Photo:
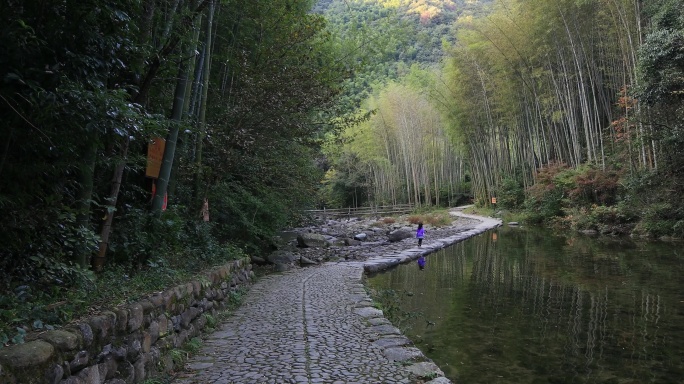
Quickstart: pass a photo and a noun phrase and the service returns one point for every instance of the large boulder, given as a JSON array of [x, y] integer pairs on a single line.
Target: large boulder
[[283, 260], [311, 240], [303, 261], [351, 242], [282, 257], [258, 260], [399, 235], [337, 242]]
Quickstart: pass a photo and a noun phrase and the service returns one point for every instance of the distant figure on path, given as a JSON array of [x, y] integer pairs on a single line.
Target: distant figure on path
[[420, 233], [421, 262]]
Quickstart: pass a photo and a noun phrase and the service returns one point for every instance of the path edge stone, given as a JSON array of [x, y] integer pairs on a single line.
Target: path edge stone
[[385, 262], [398, 347]]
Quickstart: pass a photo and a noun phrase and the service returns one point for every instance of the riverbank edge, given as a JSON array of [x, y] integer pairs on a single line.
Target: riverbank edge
[[424, 366], [385, 262]]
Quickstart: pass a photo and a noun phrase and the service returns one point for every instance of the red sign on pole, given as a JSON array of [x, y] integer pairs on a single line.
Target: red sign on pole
[[166, 196], [155, 155]]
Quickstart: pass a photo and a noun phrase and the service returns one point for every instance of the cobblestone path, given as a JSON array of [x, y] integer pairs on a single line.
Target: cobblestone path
[[317, 325], [298, 327]]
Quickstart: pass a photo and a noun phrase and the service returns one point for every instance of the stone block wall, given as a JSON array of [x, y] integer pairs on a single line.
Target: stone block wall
[[128, 344]]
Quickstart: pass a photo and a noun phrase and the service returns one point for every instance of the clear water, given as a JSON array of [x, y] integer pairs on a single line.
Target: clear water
[[521, 305]]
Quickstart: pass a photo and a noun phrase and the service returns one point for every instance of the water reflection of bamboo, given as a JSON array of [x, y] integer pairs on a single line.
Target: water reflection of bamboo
[[574, 321], [650, 315], [592, 326], [589, 330]]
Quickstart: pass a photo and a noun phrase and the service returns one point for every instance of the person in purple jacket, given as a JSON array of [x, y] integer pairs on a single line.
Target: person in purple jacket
[[420, 233]]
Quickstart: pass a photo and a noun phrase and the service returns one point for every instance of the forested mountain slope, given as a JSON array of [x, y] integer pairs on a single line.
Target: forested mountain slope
[[568, 110], [390, 36], [428, 24], [395, 42]]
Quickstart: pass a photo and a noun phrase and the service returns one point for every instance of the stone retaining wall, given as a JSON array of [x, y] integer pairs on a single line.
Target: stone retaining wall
[[127, 344]]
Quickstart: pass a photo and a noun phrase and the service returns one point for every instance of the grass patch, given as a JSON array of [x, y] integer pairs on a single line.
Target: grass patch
[[235, 300], [388, 220], [415, 219], [480, 211], [193, 346], [437, 218], [178, 357], [516, 216], [430, 376], [212, 321]]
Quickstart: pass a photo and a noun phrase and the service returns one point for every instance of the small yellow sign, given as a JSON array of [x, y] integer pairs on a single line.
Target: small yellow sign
[[493, 200], [155, 155]]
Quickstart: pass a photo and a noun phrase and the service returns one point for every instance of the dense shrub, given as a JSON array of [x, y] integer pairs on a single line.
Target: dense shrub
[[433, 218], [614, 220], [593, 186], [438, 219], [147, 254], [560, 191], [652, 196], [415, 219], [511, 194], [388, 220], [661, 219], [544, 197], [247, 216]]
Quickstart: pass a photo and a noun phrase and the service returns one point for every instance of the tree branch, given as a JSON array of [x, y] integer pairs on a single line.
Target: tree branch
[[166, 50]]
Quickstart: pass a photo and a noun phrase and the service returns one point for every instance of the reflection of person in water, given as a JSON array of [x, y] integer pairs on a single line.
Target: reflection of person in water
[[421, 262]]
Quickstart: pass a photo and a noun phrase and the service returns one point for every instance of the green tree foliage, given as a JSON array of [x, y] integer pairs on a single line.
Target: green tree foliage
[[346, 184], [400, 155], [592, 84], [661, 70], [661, 90], [67, 98], [87, 84], [372, 37], [392, 41], [660, 64], [387, 37]]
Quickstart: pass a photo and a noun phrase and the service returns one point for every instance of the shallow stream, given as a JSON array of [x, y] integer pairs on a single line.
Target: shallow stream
[[518, 305]]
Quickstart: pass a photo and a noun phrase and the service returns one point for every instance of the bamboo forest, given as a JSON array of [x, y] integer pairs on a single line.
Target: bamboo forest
[[147, 140]]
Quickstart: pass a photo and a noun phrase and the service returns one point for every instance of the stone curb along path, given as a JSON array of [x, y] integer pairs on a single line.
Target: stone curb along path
[[384, 262], [318, 325]]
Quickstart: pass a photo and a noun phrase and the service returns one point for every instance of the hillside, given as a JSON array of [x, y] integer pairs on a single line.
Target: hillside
[[389, 36]]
